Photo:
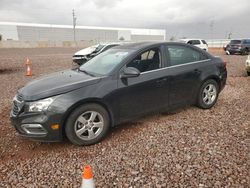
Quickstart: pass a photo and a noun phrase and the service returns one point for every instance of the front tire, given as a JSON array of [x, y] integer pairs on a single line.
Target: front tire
[[244, 52], [248, 73], [87, 125], [208, 94]]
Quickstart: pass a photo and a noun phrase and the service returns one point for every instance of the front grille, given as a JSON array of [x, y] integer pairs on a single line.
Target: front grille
[[18, 103], [19, 97], [15, 108]]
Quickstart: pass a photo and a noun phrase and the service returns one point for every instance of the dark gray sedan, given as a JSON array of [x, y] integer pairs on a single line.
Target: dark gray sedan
[[118, 85]]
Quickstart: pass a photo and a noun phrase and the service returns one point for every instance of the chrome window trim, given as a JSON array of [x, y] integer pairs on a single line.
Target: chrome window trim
[[194, 62]]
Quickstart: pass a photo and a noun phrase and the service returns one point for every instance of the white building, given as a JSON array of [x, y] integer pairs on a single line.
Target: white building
[[47, 32]]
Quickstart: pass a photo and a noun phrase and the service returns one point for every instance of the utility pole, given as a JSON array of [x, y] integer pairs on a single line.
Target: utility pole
[[165, 36], [211, 25], [74, 24]]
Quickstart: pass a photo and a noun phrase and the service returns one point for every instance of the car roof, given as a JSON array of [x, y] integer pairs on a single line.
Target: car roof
[[107, 44], [191, 39], [142, 45], [135, 45]]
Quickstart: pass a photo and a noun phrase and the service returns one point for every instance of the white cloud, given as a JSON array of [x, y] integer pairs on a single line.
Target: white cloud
[[130, 13]]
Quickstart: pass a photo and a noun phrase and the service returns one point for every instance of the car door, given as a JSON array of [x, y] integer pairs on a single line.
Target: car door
[[149, 91], [184, 73]]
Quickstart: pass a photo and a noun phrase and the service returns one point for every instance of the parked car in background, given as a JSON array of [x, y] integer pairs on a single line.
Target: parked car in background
[[238, 47], [202, 44], [118, 85], [86, 54], [248, 65]]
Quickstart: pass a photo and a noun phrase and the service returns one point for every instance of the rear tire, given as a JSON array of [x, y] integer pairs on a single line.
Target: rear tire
[[208, 94], [248, 73], [87, 124]]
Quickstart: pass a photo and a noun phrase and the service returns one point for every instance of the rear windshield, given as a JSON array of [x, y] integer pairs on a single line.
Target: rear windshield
[[235, 41]]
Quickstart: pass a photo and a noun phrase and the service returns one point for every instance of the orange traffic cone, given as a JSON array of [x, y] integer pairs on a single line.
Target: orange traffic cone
[[87, 178], [28, 67], [27, 62]]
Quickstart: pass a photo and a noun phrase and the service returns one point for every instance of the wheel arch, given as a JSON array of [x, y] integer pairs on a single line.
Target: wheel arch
[[212, 77], [203, 80], [88, 101]]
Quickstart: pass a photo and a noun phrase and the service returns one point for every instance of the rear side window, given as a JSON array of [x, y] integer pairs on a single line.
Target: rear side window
[[179, 55], [204, 42], [194, 42], [247, 41]]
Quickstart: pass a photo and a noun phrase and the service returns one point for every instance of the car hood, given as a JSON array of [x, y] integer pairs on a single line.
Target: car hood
[[55, 84], [86, 51]]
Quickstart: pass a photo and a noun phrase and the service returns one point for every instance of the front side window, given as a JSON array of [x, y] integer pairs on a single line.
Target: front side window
[[179, 55], [98, 48], [147, 61], [109, 46], [204, 42], [105, 62]]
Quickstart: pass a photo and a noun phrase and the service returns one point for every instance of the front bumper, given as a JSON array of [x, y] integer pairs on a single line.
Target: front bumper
[[223, 79], [38, 126], [234, 50]]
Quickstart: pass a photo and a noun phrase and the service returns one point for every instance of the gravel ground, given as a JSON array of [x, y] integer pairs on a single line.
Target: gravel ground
[[186, 148]]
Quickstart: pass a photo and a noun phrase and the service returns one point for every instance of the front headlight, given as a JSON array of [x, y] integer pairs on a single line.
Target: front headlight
[[41, 105]]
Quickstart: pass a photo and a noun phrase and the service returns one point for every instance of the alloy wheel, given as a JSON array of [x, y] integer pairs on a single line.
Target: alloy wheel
[[89, 125], [209, 94]]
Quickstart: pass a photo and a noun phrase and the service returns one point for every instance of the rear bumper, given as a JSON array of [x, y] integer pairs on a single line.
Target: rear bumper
[[223, 80]]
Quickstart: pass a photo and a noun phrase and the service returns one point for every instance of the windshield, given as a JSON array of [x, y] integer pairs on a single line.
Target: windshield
[[235, 41], [105, 62], [98, 48]]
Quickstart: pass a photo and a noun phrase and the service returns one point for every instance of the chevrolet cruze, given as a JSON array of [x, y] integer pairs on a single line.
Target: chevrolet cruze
[[119, 85]]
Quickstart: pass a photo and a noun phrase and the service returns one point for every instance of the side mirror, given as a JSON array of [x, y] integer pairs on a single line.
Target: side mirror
[[130, 72]]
